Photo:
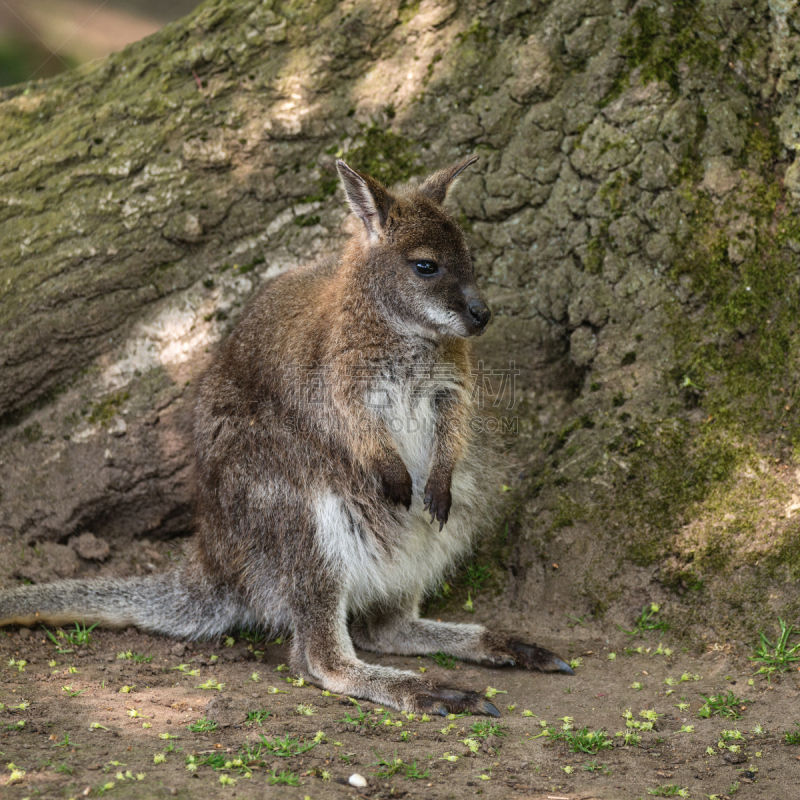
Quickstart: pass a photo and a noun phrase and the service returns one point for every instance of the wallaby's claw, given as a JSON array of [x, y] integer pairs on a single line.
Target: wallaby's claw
[[443, 700], [562, 666], [531, 656], [490, 709], [437, 503]]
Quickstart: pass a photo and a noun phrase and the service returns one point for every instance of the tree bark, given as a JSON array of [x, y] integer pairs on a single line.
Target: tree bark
[[633, 223]]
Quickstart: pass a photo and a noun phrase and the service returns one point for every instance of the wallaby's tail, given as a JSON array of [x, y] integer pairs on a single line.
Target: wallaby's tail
[[172, 603]]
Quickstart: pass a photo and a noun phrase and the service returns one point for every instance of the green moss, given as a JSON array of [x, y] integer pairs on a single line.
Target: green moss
[[32, 433], [327, 186], [306, 220], [385, 155], [672, 468], [659, 42], [566, 512], [408, 10], [477, 31], [596, 254], [107, 408]]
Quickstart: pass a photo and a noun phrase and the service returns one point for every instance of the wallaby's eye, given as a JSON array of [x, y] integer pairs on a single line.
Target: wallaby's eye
[[425, 268]]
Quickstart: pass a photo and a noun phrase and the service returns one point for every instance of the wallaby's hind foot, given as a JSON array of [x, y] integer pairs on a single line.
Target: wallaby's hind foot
[[443, 700], [531, 656], [402, 632], [322, 651]]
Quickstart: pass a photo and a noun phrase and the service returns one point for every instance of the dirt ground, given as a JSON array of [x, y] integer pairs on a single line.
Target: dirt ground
[[113, 717]]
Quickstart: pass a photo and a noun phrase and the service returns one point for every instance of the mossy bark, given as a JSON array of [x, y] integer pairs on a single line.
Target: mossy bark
[[632, 229]]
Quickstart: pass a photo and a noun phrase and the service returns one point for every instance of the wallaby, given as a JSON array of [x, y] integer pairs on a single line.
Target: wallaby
[[338, 474]]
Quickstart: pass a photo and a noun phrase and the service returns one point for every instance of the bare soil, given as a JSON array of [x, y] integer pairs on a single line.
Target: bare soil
[[145, 709]]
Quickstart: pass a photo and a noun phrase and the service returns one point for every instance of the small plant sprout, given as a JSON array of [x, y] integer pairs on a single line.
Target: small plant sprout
[[71, 692], [669, 790], [320, 736], [281, 668], [468, 604], [443, 660], [568, 769], [413, 773], [167, 736], [491, 692], [229, 641], [387, 767], [636, 685], [96, 725], [286, 746], [137, 658], [576, 662], [683, 705], [611, 657], [730, 736], [448, 757], [473, 745], [528, 713], [686, 729], [16, 776], [126, 689], [203, 725], [792, 737], [284, 777], [779, 656], [147, 725], [273, 690], [486, 728], [723, 705], [211, 683], [159, 758], [305, 709], [581, 741], [226, 780], [255, 677], [646, 622], [258, 717], [132, 712]]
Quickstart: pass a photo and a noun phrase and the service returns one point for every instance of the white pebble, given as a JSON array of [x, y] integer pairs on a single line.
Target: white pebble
[[357, 780]]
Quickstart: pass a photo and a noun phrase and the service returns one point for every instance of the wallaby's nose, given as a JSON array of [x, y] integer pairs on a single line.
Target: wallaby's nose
[[479, 312]]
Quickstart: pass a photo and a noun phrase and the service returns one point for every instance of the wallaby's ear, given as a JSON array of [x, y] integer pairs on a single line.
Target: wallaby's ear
[[368, 199], [437, 185]]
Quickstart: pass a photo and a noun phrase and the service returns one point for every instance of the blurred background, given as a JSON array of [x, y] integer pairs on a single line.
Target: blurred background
[[40, 38]]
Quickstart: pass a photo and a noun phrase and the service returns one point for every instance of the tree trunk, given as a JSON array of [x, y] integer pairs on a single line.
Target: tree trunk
[[633, 223]]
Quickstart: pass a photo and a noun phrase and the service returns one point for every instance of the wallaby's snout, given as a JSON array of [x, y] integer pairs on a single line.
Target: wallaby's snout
[[479, 315]]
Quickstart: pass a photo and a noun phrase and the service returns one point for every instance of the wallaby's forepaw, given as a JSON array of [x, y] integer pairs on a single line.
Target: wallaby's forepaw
[[531, 656], [438, 501], [443, 700], [396, 486]]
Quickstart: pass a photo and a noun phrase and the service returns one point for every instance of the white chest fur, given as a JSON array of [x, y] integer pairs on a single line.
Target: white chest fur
[[419, 554]]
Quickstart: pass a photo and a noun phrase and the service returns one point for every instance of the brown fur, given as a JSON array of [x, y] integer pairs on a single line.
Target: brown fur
[[333, 428]]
